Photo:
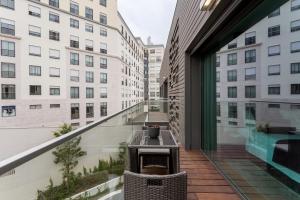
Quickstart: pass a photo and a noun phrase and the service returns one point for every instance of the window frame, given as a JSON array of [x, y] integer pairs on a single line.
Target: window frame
[[8, 74]]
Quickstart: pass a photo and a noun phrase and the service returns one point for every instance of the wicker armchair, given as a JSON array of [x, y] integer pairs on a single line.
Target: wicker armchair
[[153, 187]]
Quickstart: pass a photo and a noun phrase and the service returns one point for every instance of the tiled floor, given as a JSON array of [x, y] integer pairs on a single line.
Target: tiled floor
[[204, 181]]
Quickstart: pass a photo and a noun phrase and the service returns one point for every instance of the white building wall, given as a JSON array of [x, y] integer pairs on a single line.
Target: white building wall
[[46, 117], [156, 53]]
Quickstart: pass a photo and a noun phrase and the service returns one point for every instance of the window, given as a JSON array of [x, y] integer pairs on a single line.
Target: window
[[295, 47], [8, 70], [74, 41], [8, 91], [89, 110], [53, 106], [89, 46], [103, 109], [74, 75], [103, 19], [54, 54], [7, 48], [103, 3], [295, 25], [250, 109], [250, 74], [75, 125], [34, 31], [218, 109], [232, 45], [89, 93], [54, 35], [274, 50], [295, 107], [8, 4], [232, 75], [295, 5], [295, 68], [218, 76], [103, 78], [53, 17], [89, 61], [250, 56], [54, 3], [103, 63], [232, 92], [7, 26], [103, 48], [273, 70], [75, 111], [35, 90], [250, 38], [231, 123], [103, 92], [74, 8], [274, 31], [218, 92], [89, 77], [250, 92], [274, 89], [34, 50], [74, 58], [89, 13], [89, 28], [232, 110], [273, 105], [34, 70], [34, 11], [103, 32], [295, 88], [218, 61], [74, 92], [232, 59], [54, 91], [274, 13], [8, 111], [74, 23], [54, 72]]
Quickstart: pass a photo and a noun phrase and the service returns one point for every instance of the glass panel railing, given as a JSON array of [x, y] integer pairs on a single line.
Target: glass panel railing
[[158, 110], [165, 112], [88, 166], [258, 148]]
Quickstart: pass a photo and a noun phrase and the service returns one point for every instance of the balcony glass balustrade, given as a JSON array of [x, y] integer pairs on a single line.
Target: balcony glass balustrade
[[258, 148], [94, 172]]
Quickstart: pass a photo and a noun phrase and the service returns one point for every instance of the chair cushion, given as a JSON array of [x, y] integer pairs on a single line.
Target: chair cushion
[[154, 151]]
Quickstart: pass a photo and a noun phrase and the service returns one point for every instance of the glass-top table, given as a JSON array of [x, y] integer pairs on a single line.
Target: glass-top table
[[165, 140]]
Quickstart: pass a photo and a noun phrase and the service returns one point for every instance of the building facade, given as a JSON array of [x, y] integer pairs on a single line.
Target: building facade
[[66, 62], [259, 71], [228, 67], [155, 55]]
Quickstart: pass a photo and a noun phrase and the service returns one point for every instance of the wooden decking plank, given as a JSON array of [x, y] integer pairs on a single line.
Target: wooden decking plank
[[220, 196], [204, 181]]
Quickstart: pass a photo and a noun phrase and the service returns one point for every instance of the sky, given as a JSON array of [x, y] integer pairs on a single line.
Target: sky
[[148, 18]]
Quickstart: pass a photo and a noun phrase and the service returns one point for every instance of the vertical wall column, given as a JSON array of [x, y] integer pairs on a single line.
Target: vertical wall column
[[200, 102], [208, 102]]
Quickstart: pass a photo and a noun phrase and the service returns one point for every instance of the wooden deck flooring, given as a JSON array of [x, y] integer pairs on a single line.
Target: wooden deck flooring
[[204, 181]]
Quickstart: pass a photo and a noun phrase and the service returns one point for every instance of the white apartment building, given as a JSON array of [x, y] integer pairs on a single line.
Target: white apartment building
[[66, 61], [155, 55], [261, 65]]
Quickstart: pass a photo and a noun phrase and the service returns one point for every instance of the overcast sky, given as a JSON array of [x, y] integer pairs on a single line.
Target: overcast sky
[[148, 18]]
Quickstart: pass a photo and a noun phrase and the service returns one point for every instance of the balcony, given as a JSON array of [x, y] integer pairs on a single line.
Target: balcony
[[98, 166]]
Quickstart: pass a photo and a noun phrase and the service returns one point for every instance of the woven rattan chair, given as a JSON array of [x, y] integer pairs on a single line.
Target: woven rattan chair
[[153, 187]]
